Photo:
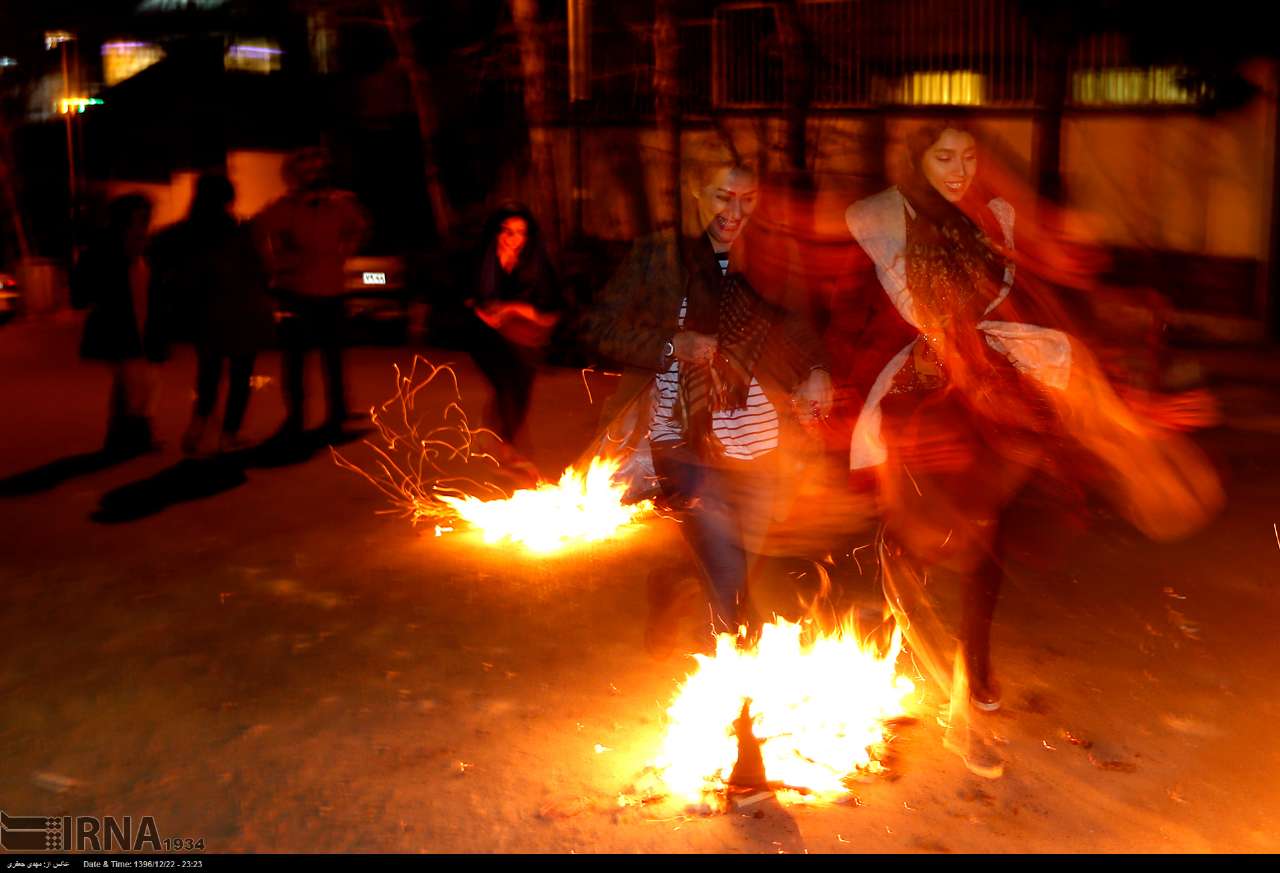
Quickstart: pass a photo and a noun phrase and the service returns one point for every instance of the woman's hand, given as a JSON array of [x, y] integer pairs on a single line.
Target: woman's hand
[[814, 396], [694, 347], [519, 322]]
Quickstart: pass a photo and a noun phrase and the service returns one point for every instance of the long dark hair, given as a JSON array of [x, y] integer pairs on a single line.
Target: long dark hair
[[533, 272], [919, 191], [969, 222]]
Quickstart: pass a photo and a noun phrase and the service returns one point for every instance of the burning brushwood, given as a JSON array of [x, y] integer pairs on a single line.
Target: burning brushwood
[[437, 472], [800, 713]]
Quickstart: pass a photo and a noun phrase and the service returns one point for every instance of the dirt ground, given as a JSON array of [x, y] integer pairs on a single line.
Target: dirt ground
[[276, 667]]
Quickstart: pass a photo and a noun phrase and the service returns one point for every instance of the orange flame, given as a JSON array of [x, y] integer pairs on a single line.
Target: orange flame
[[819, 703], [580, 508], [438, 474]]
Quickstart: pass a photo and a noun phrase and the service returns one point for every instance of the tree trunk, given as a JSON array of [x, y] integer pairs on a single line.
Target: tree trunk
[[533, 68], [666, 106], [10, 193], [425, 109], [797, 92]]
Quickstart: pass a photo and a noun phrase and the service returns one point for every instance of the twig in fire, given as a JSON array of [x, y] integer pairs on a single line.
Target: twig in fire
[[418, 461]]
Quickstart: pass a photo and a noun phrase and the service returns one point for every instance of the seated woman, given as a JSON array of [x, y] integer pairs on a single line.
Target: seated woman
[[516, 303], [964, 398]]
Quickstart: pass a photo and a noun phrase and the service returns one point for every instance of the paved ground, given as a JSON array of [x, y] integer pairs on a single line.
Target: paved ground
[[277, 667]]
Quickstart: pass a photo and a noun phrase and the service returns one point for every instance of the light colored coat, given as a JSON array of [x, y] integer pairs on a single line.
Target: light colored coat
[[879, 225]]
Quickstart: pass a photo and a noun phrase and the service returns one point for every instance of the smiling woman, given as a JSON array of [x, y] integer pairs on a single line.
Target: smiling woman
[[964, 396]]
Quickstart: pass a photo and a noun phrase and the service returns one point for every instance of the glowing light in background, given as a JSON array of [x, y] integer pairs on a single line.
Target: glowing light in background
[[55, 38], [1134, 86], [933, 88], [67, 105], [122, 59], [253, 56]]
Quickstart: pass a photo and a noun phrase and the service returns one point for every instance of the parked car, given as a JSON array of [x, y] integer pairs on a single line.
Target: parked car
[[10, 299]]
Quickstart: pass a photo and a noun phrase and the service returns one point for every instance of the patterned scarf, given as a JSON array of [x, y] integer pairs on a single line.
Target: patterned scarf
[[743, 321], [954, 273]]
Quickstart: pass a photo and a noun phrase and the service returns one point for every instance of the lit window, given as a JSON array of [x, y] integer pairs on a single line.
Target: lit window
[[55, 38], [177, 5], [1134, 86], [932, 88], [120, 60], [253, 56], [76, 105]]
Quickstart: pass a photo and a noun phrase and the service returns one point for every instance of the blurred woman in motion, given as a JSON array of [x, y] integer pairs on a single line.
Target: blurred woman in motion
[[965, 395]]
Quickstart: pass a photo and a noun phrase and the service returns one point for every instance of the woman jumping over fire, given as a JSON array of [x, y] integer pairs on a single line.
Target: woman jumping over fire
[[966, 396]]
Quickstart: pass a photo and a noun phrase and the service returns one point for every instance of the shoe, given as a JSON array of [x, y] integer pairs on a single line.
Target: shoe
[[517, 465], [129, 436], [984, 694], [229, 442], [290, 433], [194, 434], [982, 760]]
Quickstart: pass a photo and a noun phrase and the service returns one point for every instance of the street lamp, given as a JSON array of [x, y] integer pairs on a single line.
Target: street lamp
[[59, 39]]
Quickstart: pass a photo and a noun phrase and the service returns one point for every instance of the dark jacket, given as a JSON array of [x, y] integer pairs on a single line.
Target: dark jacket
[[217, 278], [637, 312], [100, 282]]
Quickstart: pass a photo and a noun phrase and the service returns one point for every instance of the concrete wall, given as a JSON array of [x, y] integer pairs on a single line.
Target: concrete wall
[[1178, 181], [256, 176], [1171, 180]]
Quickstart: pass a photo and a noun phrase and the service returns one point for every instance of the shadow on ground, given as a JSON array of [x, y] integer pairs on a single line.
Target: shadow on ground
[[200, 478]]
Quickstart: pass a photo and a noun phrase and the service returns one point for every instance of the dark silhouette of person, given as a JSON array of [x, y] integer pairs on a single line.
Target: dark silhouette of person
[[126, 327], [307, 236], [209, 260]]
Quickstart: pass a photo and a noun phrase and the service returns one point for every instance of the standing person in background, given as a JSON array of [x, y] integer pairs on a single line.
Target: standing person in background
[[210, 260], [516, 304], [126, 325], [307, 236]]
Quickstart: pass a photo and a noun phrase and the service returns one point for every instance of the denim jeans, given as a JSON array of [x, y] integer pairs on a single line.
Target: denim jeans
[[717, 504]]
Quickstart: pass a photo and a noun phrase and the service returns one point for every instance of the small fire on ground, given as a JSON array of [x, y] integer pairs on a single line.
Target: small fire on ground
[[581, 508], [816, 707], [430, 464]]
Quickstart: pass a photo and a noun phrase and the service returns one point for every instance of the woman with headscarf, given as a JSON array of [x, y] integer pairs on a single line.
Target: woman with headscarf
[[515, 304], [965, 396]]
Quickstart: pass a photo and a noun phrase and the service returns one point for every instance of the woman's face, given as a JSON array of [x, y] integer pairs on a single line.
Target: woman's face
[[725, 205], [950, 164], [511, 238]]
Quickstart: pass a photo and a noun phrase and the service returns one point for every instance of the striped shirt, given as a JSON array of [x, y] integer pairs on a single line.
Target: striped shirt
[[748, 432]]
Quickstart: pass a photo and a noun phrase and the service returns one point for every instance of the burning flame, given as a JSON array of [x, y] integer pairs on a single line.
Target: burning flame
[[438, 474], [580, 508], [818, 706]]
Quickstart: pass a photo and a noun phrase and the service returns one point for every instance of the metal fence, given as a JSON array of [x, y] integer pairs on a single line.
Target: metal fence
[[877, 52], [859, 54]]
